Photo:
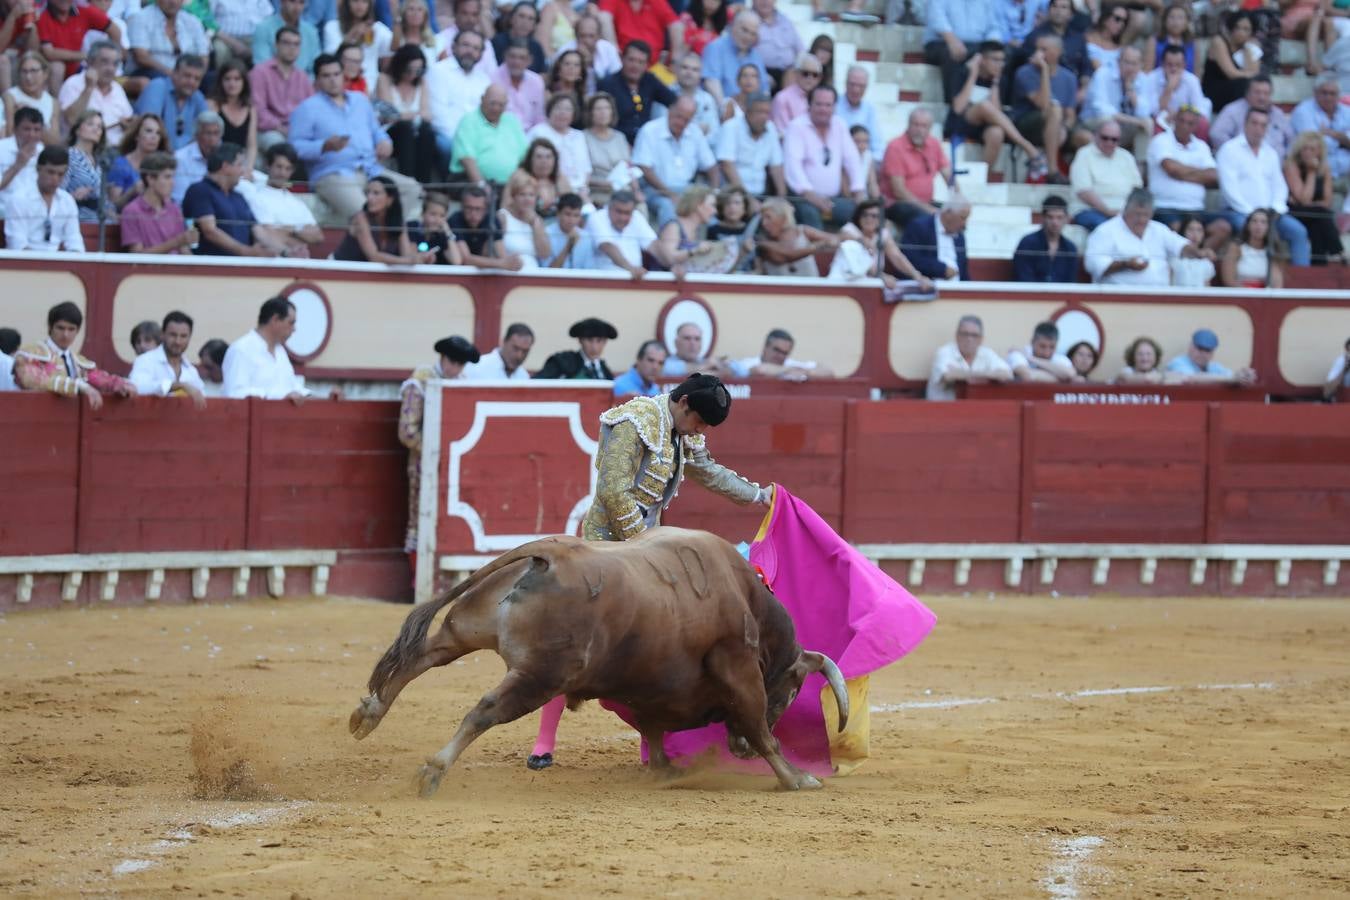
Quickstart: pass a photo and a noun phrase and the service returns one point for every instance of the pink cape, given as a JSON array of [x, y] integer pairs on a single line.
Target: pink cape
[[841, 604]]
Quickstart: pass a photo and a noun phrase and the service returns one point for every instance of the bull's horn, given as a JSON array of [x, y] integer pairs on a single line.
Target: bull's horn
[[819, 662]]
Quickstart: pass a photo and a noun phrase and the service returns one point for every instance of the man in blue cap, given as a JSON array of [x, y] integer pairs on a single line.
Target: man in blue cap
[[1197, 365]]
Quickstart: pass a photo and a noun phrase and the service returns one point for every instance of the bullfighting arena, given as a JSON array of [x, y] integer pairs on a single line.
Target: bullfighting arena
[[1031, 747]]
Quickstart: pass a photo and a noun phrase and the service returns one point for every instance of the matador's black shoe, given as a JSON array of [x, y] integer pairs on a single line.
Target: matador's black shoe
[[541, 761]]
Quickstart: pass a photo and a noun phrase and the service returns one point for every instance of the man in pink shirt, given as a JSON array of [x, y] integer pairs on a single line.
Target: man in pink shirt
[[908, 168], [790, 102], [821, 163], [278, 88], [96, 88], [524, 89], [153, 223]]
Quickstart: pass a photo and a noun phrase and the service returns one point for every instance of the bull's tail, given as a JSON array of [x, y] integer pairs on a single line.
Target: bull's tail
[[411, 640]]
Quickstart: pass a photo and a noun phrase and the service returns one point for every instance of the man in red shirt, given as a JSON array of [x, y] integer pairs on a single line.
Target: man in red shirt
[[61, 29], [908, 167], [646, 20]]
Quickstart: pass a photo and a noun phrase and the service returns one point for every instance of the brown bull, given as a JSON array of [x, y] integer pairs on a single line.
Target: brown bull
[[674, 624]]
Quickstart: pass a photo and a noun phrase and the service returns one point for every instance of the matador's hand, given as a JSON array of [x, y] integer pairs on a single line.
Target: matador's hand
[[765, 496]]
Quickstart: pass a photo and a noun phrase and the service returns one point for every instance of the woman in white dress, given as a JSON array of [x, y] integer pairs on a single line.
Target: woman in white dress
[[523, 235], [574, 157], [356, 25]]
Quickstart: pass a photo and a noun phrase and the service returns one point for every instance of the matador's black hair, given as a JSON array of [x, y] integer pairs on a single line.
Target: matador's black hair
[[707, 396]]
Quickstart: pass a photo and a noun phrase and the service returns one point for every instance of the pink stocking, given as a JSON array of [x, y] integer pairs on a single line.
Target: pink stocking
[[548, 726]]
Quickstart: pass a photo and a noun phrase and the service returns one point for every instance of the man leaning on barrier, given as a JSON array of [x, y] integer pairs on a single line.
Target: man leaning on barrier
[[54, 367]]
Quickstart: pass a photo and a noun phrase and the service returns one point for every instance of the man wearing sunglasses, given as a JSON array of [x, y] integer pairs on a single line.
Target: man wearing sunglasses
[[791, 102], [45, 218], [1102, 176], [821, 164]]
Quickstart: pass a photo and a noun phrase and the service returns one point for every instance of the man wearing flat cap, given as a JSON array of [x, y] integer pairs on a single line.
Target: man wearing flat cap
[[1198, 366], [647, 446], [586, 363], [453, 353]]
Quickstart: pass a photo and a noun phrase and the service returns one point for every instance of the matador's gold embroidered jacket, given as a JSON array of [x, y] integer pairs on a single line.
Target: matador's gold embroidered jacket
[[641, 462], [39, 367]]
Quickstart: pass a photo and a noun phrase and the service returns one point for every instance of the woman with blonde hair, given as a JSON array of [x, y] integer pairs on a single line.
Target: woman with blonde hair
[[682, 245], [522, 228], [1308, 173], [782, 247], [414, 28]]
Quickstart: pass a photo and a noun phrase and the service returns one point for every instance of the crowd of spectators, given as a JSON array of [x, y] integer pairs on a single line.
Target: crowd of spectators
[[654, 107]]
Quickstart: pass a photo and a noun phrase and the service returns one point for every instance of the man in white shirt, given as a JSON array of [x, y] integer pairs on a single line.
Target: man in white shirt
[[210, 129], [750, 150], [1119, 93], [775, 361], [455, 85], [164, 371], [18, 155], [274, 205], [1132, 249], [1180, 168], [96, 88], [1172, 87], [1251, 177], [507, 362], [45, 218], [671, 154], [965, 359], [468, 17], [1324, 113], [1038, 360], [1102, 176], [257, 364], [619, 236]]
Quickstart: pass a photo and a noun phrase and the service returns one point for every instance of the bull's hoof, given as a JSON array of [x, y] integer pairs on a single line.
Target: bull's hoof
[[429, 779], [539, 761], [805, 781], [365, 717]]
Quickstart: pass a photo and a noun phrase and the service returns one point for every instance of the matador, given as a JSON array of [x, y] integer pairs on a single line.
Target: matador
[[647, 446]]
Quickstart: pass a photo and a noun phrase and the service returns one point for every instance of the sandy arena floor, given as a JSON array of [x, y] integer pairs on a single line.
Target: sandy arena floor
[[1032, 747]]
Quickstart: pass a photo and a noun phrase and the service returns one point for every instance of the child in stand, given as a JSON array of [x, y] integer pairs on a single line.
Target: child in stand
[[733, 224], [862, 140]]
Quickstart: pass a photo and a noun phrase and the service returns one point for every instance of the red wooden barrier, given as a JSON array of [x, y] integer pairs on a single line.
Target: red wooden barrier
[[798, 442], [520, 476], [1113, 474], [1279, 474], [932, 472], [326, 474], [39, 468], [159, 475]]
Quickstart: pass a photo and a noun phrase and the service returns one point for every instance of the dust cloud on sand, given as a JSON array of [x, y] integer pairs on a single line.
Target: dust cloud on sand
[[1031, 747]]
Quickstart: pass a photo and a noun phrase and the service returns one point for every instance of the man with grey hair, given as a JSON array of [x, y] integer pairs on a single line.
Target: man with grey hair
[[1045, 101], [96, 88], [689, 81], [687, 357], [907, 169], [1132, 249], [965, 359], [1324, 113], [779, 41], [855, 109], [936, 243], [724, 57], [206, 137], [775, 361], [1118, 93], [751, 152]]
